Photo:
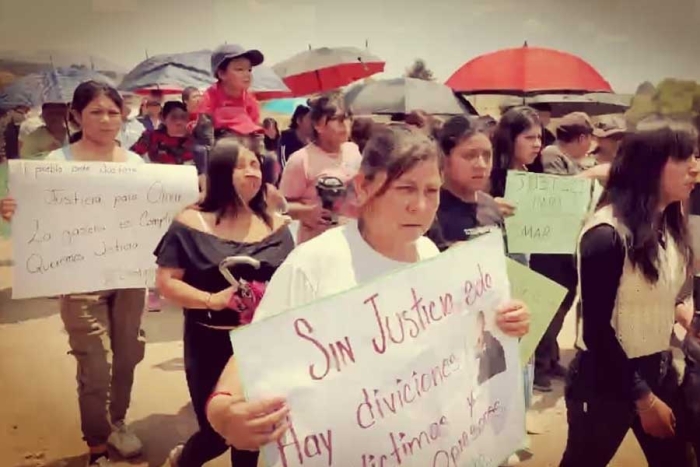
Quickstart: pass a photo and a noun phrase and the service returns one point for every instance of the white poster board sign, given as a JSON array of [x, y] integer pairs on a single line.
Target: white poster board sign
[[88, 226], [400, 371]]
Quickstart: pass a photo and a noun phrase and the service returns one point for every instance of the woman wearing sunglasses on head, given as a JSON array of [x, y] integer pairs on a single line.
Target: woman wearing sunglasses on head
[[329, 156]]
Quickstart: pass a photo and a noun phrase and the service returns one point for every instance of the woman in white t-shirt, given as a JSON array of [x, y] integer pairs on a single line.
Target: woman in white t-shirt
[[398, 192], [104, 327]]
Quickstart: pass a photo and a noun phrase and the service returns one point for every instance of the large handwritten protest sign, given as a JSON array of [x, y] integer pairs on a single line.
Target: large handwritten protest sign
[[82, 227], [543, 297], [407, 370], [550, 210]]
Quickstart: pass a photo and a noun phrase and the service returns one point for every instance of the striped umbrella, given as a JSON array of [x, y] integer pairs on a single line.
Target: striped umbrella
[[325, 69]]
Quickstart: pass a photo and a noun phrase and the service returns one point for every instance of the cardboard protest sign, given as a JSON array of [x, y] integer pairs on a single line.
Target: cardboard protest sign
[[542, 296], [88, 226], [407, 370], [550, 210]]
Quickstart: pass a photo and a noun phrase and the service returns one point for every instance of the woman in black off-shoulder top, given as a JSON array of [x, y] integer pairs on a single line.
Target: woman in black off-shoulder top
[[232, 220]]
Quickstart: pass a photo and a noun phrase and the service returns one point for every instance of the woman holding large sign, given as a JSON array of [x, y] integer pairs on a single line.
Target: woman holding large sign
[[104, 327], [398, 192], [634, 258], [233, 220]]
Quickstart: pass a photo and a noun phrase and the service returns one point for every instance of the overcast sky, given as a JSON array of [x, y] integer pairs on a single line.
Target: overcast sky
[[628, 41]]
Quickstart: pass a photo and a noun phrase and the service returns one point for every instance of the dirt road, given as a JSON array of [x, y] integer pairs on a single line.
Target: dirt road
[[39, 423]]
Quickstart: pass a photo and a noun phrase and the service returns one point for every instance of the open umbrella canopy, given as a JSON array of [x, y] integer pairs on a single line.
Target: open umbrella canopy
[[594, 104], [171, 73], [325, 69], [404, 95], [527, 71], [22, 63], [55, 86]]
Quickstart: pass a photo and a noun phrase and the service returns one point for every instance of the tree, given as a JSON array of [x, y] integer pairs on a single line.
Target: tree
[[646, 89], [672, 97], [420, 70]]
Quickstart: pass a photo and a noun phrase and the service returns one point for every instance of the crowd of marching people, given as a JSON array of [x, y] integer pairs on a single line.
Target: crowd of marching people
[[370, 198]]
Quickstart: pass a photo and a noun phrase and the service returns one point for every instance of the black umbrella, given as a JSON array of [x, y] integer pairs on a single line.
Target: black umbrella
[[404, 95], [594, 104]]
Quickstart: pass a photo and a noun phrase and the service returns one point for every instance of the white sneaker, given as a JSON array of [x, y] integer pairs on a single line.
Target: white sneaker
[[124, 441], [101, 462], [175, 454]]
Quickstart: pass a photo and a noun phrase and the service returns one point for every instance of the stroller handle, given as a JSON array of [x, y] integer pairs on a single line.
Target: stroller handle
[[230, 261]]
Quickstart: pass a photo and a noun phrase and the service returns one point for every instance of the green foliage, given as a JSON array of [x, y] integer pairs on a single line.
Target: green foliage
[[671, 98], [420, 70]]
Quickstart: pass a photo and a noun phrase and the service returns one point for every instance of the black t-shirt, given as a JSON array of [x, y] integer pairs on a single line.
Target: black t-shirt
[[455, 216], [199, 254], [289, 143]]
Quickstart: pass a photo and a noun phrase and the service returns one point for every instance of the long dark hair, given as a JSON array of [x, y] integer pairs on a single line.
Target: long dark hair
[[221, 195], [633, 190], [514, 121], [85, 93], [271, 143], [300, 112], [361, 131]]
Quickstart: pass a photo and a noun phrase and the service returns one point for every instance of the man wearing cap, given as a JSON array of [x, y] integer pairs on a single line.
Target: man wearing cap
[[53, 134], [574, 137], [608, 131], [565, 157]]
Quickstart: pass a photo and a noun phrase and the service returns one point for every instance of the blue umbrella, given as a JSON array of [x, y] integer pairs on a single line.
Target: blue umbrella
[[55, 86], [283, 106], [174, 72]]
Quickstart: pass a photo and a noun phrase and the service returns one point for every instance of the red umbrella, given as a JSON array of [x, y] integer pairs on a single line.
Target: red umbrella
[[325, 69], [527, 70]]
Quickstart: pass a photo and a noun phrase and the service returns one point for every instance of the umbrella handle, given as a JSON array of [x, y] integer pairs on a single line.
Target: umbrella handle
[[230, 261]]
